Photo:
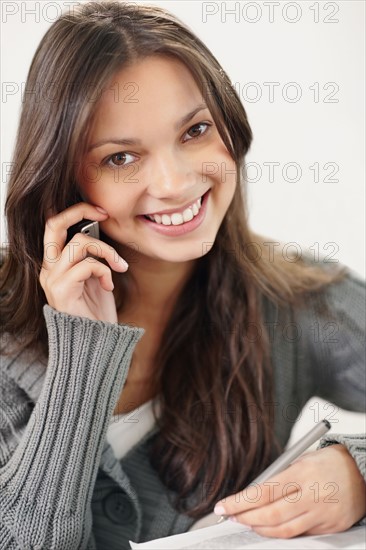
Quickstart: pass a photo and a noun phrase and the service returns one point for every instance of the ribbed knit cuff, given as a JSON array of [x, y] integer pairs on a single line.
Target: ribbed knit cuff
[[54, 467], [356, 446]]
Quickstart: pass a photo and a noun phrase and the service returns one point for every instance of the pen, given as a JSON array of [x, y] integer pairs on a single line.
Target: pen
[[283, 461]]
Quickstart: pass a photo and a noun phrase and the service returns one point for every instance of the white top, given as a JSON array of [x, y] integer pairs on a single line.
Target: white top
[[125, 430]]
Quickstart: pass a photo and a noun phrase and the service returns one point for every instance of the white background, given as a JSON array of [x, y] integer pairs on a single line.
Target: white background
[[313, 51]]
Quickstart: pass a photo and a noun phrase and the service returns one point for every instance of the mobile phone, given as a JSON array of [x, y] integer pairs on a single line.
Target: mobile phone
[[88, 227]]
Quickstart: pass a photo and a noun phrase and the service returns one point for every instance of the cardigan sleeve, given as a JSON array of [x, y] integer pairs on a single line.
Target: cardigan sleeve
[[49, 465], [335, 344]]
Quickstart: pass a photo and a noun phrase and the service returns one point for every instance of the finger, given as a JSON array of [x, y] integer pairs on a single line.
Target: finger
[[82, 247], [76, 277], [256, 495], [56, 228], [276, 513], [296, 526]]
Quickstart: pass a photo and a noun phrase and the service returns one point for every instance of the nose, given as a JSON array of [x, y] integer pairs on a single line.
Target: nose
[[170, 176]]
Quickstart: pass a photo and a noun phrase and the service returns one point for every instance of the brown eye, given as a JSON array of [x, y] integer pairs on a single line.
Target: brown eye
[[196, 131], [118, 159]]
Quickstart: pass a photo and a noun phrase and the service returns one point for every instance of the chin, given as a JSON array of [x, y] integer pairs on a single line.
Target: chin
[[193, 252]]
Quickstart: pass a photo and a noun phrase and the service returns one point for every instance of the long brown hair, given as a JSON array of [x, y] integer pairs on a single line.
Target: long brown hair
[[205, 365]]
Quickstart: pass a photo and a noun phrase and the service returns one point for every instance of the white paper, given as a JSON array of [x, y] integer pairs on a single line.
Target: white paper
[[233, 536]]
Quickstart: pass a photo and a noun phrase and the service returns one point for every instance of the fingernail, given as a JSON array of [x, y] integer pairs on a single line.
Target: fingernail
[[100, 209], [219, 510], [232, 518]]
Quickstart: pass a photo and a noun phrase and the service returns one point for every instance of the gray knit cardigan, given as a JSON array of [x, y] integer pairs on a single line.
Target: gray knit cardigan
[[61, 486]]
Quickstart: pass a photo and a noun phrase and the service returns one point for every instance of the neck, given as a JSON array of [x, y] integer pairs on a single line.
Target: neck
[[155, 286]]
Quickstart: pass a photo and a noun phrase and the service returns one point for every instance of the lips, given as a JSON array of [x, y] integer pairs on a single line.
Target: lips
[[177, 218], [178, 229]]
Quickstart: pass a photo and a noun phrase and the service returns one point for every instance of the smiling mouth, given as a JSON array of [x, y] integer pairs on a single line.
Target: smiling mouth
[[177, 218]]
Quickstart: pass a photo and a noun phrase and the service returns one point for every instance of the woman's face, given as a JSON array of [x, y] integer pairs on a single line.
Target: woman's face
[[145, 160]]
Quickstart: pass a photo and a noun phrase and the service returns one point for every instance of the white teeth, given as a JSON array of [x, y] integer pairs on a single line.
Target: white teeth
[[188, 215], [177, 218]]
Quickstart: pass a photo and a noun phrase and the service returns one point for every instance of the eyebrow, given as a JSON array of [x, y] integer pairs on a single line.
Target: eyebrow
[[134, 141]]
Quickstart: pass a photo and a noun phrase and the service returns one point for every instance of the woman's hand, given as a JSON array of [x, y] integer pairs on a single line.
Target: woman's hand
[[73, 282], [321, 492]]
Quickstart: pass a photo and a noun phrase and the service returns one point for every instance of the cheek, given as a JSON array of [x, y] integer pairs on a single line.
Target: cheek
[[107, 192], [95, 182], [226, 178], [219, 165]]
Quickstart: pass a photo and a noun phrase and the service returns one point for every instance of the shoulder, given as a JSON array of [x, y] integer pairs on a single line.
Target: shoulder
[[330, 323], [344, 301], [334, 341], [335, 315], [348, 294]]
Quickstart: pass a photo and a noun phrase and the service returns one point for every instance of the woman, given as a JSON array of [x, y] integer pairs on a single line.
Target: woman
[[137, 128]]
